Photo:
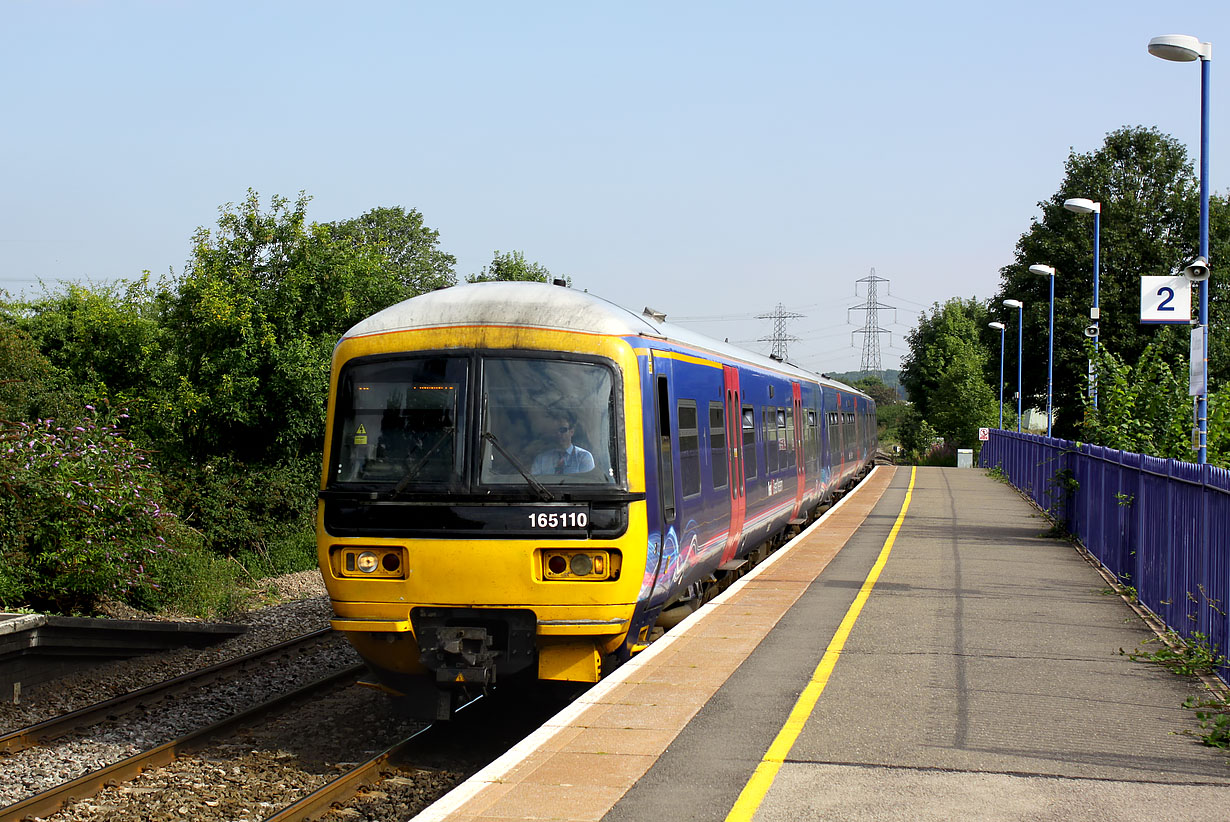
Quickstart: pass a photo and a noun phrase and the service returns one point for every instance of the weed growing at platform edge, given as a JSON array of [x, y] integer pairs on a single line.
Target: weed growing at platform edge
[[1121, 588], [1191, 657], [1213, 717]]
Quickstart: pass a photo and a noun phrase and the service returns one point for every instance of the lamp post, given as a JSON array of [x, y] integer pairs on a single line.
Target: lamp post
[[1000, 328], [1020, 338], [1048, 271], [1183, 48], [1082, 206]]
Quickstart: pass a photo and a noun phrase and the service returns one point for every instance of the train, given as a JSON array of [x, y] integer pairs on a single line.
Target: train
[[523, 481]]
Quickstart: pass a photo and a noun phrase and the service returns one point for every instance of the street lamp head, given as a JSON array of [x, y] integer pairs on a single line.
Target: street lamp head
[[997, 326], [1043, 270], [1181, 48], [1014, 303], [1082, 206]]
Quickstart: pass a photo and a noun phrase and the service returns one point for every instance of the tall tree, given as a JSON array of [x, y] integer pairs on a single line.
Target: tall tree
[[511, 266], [409, 248], [1149, 226], [940, 337], [254, 318], [944, 371]]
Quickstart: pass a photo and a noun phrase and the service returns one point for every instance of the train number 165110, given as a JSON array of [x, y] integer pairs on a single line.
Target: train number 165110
[[566, 519]]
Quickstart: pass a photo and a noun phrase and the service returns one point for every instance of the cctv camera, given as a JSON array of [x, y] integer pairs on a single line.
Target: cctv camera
[[1198, 270]]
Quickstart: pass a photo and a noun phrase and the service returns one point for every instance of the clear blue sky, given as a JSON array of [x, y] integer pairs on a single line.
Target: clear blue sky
[[706, 159]]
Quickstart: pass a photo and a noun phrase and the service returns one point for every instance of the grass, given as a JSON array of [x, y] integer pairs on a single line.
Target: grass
[[195, 582]]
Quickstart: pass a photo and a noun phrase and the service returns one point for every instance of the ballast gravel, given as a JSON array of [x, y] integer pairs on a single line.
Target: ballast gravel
[[244, 775], [307, 611]]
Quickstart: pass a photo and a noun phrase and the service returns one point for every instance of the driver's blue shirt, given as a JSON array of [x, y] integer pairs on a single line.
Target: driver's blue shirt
[[574, 460]]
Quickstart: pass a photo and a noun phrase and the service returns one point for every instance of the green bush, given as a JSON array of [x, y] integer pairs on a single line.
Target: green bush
[[295, 550], [261, 515], [190, 580], [81, 513], [939, 454]]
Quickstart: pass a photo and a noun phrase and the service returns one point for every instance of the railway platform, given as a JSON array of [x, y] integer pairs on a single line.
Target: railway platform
[[924, 651]]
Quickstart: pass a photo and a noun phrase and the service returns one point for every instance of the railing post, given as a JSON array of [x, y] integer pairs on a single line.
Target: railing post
[[1207, 591], [1138, 507], [1167, 567]]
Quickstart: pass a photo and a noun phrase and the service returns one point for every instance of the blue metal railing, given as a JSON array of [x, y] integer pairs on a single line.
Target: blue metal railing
[[1160, 526]]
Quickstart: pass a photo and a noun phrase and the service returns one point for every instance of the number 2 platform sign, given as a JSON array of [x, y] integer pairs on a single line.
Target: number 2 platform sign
[[1165, 300]]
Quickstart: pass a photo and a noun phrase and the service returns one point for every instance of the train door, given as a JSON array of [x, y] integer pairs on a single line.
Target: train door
[[662, 502], [664, 433], [800, 445], [734, 460], [843, 437]]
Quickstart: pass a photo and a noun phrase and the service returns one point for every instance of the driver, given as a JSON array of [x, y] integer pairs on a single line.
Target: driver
[[564, 457]]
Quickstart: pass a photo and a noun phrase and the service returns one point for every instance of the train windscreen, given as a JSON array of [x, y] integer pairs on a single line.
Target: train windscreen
[[402, 422], [551, 419]]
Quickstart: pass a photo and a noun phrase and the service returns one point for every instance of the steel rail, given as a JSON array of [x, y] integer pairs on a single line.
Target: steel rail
[[58, 726], [53, 799], [320, 801]]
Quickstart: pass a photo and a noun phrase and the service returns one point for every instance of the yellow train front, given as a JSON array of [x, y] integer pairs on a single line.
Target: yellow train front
[[498, 499]]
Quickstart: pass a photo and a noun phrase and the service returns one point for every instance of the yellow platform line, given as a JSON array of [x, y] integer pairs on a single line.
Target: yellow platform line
[[758, 786]]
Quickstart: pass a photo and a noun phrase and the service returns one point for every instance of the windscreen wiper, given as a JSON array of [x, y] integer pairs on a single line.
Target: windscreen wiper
[[414, 469], [538, 487]]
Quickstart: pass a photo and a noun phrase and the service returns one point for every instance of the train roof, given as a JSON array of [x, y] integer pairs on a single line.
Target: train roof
[[558, 308]]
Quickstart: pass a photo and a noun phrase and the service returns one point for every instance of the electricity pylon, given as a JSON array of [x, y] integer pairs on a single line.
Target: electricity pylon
[[871, 331], [780, 337]]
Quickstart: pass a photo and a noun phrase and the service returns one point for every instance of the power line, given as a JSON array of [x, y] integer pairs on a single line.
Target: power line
[[713, 319]]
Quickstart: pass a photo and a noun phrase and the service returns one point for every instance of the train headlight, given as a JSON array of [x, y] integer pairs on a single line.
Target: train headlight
[[379, 561], [581, 565], [572, 564]]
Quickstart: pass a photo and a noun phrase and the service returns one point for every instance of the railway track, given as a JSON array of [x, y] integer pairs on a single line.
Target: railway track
[[53, 799], [115, 707], [268, 761]]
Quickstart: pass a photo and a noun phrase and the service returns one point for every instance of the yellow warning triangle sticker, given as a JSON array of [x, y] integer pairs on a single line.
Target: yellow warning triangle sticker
[[361, 429]]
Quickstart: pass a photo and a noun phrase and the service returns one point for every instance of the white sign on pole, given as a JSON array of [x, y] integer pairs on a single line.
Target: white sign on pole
[[1165, 300], [1198, 380]]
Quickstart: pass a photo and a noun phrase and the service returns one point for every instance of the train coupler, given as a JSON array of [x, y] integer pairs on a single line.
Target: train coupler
[[464, 655]]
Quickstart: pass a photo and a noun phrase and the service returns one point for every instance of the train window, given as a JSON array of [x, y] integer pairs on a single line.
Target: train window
[[717, 444], [749, 443], [689, 448], [397, 421], [553, 419], [770, 439]]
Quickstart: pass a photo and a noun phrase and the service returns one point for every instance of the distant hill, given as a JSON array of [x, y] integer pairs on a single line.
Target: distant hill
[[890, 377]]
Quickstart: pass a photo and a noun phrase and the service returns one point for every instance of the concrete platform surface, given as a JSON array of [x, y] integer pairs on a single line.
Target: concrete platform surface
[[978, 676]]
